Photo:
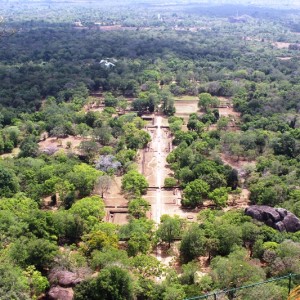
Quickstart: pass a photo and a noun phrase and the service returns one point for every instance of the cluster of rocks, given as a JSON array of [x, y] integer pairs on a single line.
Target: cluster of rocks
[[62, 283], [277, 218]]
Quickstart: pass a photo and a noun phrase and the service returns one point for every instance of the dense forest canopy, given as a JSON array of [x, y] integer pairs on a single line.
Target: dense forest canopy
[[114, 115]]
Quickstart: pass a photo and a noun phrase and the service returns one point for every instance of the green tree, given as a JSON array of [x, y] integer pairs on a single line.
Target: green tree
[[146, 266], [110, 100], [37, 283], [12, 133], [192, 243], [174, 292], [189, 272], [89, 149], [29, 147], [84, 178], [235, 270], [139, 242], [206, 101], [219, 196], [82, 130], [34, 252], [112, 283], [170, 182], [90, 210], [194, 192], [168, 104], [69, 227], [169, 229], [103, 184], [135, 138], [122, 105], [108, 256], [138, 207], [139, 233], [134, 183], [103, 134], [285, 145], [229, 236], [9, 184], [13, 283], [270, 190], [223, 123], [97, 240], [265, 291], [63, 188]]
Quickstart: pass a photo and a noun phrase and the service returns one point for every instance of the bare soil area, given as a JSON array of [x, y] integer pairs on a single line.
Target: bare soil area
[[15, 152], [61, 143], [240, 165], [116, 205], [120, 218], [186, 106], [240, 201], [170, 204], [281, 45], [228, 111], [232, 114], [95, 108], [114, 197], [226, 101], [284, 57]]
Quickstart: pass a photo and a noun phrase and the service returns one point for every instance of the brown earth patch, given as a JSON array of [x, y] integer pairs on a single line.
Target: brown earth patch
[[61, 143], [281, 45], [15, 152]]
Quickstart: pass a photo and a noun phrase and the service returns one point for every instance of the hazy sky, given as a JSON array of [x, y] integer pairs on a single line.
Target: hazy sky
[[271, 3]]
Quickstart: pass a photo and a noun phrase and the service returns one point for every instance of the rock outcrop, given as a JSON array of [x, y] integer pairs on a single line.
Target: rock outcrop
[[62, 282], [64, 278], [278, 218], [60, 293]]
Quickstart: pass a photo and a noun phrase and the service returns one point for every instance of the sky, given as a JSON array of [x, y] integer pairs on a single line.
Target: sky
[[271, 3]]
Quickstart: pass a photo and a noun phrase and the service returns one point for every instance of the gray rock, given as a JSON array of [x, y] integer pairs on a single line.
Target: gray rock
[[60, 293], [283, 212], [291, 222], [263, 213], [280, 226], [278, 218], [254, 212], [64, 278]]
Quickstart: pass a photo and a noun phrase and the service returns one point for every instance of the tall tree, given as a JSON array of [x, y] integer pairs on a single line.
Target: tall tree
[[194, 192], [112, 283], [169, 229]]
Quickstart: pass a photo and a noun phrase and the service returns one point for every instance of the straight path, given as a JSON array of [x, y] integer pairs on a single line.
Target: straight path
[[159, 168]]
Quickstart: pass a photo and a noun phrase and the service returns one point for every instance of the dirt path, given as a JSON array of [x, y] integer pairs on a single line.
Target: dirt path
[[158, 171], [154, 167]]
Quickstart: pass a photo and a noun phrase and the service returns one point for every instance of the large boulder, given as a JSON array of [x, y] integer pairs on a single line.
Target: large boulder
[[64, 278], [60, 293], [291, 222], [278, 218]]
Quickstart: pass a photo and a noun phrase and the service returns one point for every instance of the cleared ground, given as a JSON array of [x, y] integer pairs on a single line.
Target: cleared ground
[[61, 143], [186, 107], [15, 152], [281, 45]]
